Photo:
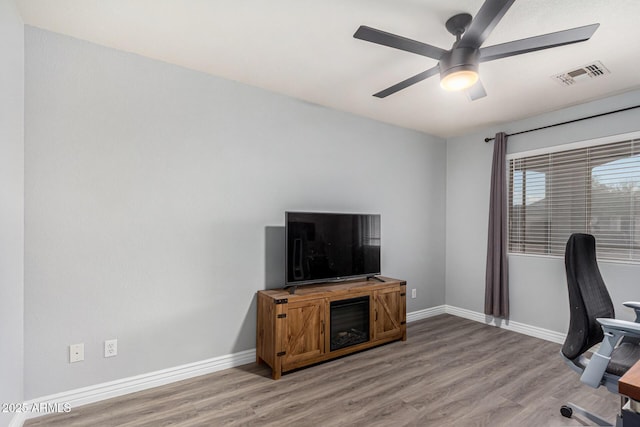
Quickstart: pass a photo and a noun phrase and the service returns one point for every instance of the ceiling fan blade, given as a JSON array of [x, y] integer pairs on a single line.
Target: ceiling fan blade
[[476, 91], [398, 42], [408, 82], [490, 13], [531, 44]]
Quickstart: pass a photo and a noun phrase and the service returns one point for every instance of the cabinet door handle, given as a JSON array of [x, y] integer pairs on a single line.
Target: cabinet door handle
[[322, 322], [376, 315]]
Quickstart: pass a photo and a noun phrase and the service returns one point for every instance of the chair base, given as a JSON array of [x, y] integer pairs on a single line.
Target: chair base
[[571, 409]]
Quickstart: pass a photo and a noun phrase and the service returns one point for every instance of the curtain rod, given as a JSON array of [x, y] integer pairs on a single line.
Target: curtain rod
[[566, 123]]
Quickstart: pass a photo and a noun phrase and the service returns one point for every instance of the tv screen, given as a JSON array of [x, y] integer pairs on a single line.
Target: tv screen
[[331, 246]]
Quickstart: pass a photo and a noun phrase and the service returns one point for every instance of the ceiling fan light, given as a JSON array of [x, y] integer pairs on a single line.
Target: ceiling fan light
[[459, 80]]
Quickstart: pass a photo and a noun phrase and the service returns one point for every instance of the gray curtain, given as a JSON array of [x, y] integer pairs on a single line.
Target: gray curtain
[[496, 298]]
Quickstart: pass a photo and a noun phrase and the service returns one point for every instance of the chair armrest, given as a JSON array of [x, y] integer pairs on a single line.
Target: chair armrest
[[636, 308], [623, 326], [614, 330]]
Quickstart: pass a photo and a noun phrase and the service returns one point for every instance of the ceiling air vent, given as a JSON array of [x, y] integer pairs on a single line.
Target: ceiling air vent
[[586, 72]]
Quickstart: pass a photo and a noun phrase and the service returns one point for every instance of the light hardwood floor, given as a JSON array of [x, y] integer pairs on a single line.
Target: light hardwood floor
[[450, 372]]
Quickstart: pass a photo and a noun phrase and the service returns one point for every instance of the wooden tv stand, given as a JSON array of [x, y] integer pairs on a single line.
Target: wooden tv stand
[[294, 329]]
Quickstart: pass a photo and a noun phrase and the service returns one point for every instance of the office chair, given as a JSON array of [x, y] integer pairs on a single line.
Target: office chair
[[592, 321]]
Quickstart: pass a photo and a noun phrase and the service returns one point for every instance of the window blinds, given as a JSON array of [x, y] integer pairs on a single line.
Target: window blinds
[[592, 190]]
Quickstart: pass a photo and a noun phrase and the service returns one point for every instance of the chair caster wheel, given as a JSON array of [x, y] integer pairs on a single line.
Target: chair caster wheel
[[566, 411]]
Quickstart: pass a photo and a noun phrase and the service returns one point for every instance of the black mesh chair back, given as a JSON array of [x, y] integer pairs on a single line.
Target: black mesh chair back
[[588, 296]]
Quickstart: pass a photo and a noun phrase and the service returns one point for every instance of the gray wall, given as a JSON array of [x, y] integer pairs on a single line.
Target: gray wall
[[538, 293], [155, 201], [11, 205]]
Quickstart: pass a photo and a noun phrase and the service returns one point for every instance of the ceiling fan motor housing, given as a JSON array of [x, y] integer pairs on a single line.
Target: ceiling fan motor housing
[[459, 59]]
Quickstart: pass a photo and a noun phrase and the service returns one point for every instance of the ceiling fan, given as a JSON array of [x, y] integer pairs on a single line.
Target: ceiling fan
[[458, 67]]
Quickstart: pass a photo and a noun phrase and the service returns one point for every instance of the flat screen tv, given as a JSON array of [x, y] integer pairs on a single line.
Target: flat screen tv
[[323, 247]]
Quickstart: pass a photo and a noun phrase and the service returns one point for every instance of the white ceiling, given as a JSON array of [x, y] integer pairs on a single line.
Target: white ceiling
[[305, 49]]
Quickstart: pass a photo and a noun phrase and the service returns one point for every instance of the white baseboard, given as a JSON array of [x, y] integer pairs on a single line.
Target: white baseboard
[[98, 392], [510, 325], [427, 312], [18, 420]]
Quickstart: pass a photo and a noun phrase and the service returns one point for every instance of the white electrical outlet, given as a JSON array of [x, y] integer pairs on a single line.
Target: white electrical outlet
[[111, 348], [76, 353], [413, 293]]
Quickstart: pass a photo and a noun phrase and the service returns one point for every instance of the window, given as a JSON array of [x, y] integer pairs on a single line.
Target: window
[[592, 190]]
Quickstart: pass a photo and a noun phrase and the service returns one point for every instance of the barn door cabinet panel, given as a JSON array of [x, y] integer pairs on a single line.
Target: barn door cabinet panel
[[387, 316], [304, 332], [321, 322]]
